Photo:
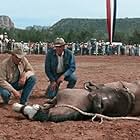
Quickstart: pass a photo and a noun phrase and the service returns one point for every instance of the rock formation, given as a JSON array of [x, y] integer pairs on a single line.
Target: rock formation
[[6, 22]]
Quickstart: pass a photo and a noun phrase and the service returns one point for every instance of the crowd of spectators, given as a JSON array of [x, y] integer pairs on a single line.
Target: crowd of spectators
[[92, 47]]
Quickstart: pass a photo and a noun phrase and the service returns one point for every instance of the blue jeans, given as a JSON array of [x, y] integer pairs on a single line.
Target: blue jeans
[[26, 90], [71, 83]]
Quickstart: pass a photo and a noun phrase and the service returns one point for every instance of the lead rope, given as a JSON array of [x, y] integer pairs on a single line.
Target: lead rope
[[96, 115]]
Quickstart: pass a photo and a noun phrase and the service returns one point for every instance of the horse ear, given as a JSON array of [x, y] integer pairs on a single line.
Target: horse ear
[[90, 86]]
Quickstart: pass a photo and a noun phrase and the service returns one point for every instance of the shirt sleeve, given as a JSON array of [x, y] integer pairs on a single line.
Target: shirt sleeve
[[71, 66], [3, 79]]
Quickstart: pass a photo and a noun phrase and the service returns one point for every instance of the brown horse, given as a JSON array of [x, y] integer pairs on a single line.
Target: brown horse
[[121, 94], [114, 99], [53, 109]]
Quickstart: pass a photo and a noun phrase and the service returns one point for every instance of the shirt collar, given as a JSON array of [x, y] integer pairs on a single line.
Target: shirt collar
[[54, 52]]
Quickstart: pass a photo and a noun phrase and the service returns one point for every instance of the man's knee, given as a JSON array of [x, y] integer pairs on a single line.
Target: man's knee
[[32, 79], [72, 81], [5, 94]]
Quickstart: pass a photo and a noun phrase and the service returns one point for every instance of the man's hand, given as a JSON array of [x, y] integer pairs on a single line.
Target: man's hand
[[60, 79], [53, 86], [24, 76], [22, 79], [16, 93]]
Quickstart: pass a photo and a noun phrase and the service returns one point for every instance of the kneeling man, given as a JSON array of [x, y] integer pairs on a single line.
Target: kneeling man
[[16, 75]]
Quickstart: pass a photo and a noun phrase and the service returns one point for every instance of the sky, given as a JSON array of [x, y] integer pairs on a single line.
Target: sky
[[47, 12]]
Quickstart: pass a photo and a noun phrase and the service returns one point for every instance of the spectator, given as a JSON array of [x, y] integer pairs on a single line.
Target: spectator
[[59, 66], [16, 73]]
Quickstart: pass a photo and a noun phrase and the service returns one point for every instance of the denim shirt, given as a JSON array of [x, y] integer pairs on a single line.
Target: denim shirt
[[51, 62]]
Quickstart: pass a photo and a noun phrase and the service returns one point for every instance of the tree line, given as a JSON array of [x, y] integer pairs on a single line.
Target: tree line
[[127, 31]]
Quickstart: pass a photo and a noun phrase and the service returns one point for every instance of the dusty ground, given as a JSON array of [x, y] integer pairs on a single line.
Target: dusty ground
[[100, 69]]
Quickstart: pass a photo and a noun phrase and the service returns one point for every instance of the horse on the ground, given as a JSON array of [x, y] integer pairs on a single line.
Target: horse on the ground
[[116, 99]]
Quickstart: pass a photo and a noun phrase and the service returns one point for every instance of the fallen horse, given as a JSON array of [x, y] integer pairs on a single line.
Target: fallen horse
[[116, 100], [49, 112]]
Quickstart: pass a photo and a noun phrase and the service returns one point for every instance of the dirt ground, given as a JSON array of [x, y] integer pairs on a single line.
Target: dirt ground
[[98, 69]]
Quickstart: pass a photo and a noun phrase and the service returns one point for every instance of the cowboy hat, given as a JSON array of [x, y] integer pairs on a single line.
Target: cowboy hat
[[59, 42], [18, 52]]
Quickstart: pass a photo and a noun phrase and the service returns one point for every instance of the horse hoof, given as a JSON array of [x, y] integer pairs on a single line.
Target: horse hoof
[[17, 107]]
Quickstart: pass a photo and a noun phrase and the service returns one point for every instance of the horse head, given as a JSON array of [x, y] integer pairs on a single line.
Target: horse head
[[112, 102]]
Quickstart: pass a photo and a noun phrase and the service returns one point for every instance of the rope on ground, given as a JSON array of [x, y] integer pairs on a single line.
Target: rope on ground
[[96, 115]]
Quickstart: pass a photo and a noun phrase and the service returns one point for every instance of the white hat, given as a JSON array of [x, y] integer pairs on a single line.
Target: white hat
[[18, 52], [59, 42]]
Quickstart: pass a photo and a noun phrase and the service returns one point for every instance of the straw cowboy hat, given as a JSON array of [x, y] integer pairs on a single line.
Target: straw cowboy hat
[[18, 51], [59, 42]]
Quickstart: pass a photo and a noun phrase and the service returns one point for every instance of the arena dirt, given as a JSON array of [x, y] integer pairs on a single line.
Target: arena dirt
[[97, 69]]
